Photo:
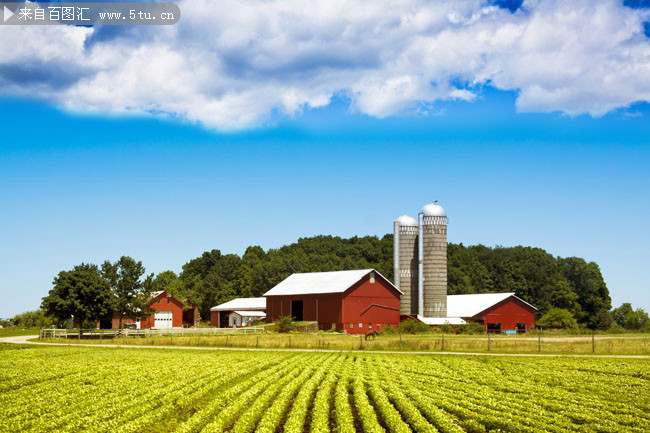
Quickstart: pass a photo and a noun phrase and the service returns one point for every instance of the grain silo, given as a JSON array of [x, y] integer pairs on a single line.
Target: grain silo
[[405, 266], [432, 269]]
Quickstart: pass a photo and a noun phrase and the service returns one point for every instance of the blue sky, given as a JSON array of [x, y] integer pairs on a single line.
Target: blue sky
[[88, 188], [270, 121]]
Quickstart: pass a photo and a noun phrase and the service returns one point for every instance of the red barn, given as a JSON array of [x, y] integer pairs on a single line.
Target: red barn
[[497, 311], [354, 301], [169, 313]]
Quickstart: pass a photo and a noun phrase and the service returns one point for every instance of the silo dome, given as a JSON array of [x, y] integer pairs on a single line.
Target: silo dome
[[433, 209], [407, 221]]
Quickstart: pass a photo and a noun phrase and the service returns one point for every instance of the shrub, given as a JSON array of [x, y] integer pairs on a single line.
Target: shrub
[[558, 318], [411, 326], [387, 330], [471, 328], [285, 324]]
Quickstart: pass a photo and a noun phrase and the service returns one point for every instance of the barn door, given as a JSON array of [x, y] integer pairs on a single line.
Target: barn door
[[296, 310], [163, 320]]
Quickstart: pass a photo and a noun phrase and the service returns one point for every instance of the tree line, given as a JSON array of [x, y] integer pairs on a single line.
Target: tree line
[[550, 283]]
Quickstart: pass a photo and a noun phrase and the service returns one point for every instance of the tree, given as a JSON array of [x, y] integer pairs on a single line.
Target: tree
[[166, 281], [558, 318], [30, 319], [81, 293], [628, 318], [587, 282], [131, 293], [531, 273]]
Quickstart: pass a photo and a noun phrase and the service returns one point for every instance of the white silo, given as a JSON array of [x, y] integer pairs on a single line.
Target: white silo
[[432, 269], [405, 263]]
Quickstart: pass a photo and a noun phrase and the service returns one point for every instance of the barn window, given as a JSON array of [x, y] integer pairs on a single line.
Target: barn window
[[159, 301], [494, 328], [168, 300], [370, 325], [372, 277], [360, 325], [351, 325]]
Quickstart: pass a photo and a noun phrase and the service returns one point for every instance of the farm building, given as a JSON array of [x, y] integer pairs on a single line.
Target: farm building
[[237, 319], [497, 311], [219, 314], [420, 267], [168, 313], [353, 301]]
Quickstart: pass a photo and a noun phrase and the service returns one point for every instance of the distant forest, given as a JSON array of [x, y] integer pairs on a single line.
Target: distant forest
[[533, 274]]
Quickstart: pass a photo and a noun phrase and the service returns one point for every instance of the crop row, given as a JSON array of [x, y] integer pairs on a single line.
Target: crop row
[[128, 391]]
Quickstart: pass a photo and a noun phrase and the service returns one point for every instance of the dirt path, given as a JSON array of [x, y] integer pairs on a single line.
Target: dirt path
[[24, 339]]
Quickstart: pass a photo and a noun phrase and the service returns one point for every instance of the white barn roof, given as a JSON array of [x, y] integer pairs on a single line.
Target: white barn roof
[[314, 283], [441, 320], [242, 304], [249, 313], [471, 305]]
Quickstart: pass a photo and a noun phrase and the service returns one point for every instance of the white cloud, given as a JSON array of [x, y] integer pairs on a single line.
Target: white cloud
[[229, 64]]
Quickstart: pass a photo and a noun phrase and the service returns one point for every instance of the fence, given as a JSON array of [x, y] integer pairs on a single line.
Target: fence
[[115, 333]]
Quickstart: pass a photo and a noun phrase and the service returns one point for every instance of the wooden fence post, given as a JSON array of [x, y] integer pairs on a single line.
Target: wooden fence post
[[593, 341], [489, 343], [442, 347], [539, 340]]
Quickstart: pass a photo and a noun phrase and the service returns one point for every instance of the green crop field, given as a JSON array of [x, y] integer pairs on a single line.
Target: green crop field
[[77, 389]]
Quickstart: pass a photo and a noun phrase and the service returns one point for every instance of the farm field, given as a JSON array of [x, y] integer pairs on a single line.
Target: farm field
[[11, 332], [602, 345], [77, 389]]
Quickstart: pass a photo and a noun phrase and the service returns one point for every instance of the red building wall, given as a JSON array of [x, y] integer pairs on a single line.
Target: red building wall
[[324, 309], [214, 318], [369, 304], [164, 303], [508, 313], [365, 302]]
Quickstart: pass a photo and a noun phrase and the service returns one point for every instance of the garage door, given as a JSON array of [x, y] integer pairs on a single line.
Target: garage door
[[163, 320]]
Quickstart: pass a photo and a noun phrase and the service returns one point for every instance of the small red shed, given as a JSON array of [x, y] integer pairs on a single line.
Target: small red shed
[[354, 301], [498, 312]]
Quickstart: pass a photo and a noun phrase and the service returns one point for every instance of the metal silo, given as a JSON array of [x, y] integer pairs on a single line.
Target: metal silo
[[405, 265], [432, 269]]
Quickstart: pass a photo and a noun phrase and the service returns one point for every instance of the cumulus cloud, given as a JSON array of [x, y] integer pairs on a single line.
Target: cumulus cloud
[[230, 64]]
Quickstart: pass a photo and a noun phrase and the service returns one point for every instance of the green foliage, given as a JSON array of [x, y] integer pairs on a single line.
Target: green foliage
[[82, 293], [215, 278], [412, 326], [387, 330], [558, 318], [32, 319], [166, 281], [191, 391], [587, 282], [285, 324], [535, 276], [471, 328], [131, 293], [628, 318]]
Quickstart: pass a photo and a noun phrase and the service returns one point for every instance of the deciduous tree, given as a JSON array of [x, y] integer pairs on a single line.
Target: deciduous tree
[[81, 293]]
